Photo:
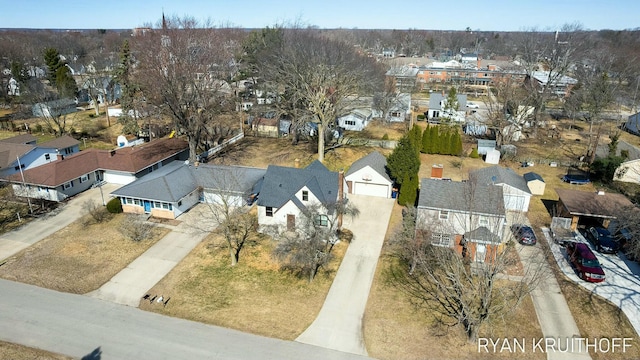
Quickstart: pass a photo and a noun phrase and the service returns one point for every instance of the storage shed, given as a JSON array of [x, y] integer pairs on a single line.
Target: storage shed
[[535, 183]]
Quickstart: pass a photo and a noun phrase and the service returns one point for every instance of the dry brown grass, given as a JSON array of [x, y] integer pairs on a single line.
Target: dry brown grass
[[77, 259], [253, 296], [11, 351]]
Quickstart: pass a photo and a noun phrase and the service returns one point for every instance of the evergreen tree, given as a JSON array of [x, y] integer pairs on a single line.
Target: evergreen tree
[[403, 162], [415, 135], [426, 145], [437, 141], [53, 62], [457, 147], [474, 153], [66, 85], [451, 106], [408, 191]]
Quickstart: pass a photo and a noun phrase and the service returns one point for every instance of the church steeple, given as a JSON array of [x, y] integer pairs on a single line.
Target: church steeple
[[164, 21]]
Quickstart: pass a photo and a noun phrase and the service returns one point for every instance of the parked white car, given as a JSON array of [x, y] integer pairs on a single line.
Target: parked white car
[[472, 105]]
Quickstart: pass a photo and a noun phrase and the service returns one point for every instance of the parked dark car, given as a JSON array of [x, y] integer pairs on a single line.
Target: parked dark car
[[585, 262], [524, 234], [602, 240], [627, 242]]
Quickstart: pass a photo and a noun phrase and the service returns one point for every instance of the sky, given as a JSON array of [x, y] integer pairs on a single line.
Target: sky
[[484, 15]]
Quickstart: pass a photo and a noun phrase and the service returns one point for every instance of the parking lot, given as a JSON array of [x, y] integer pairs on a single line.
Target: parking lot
[[622, 283]]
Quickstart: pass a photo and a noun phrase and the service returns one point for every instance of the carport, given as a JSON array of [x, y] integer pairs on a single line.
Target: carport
[[584, 207]]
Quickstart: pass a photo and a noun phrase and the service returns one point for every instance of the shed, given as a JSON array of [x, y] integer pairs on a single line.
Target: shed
[[535, 182], [492, 156], [485, 145], [368, 176], [633, 124]]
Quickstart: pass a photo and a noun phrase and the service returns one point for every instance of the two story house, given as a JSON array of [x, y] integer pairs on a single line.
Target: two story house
[[466, 216], [22, 152], [286, 192]]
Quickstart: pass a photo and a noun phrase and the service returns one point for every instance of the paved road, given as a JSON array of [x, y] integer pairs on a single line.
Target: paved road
[[132, 283], [77, 325], [339, 323], [17, 240]]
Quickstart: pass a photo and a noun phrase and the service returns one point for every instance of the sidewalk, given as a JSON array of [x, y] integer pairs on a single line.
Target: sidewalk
[[131, 284], [19, 239], [339, 323]]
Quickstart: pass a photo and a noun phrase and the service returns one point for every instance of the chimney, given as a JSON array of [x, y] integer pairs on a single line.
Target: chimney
[[296, 163], [340, 194], [112, 153], [436, 171], [60, 157]]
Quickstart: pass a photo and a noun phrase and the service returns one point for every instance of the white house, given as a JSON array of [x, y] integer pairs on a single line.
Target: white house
[[437, 108], [356, 120], [633, 124], [286, 192], [368, 176], [515, 190]]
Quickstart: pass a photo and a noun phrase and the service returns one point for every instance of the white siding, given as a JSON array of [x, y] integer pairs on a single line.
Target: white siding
[[515, 199], [375, 185], [458, 222], [629, 171]]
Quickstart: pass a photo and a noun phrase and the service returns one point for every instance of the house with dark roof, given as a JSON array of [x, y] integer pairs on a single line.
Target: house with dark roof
[[468, 217], [70, 175], [516, 192], [286, 192], [22, 152], [178, 186], [368, 176]]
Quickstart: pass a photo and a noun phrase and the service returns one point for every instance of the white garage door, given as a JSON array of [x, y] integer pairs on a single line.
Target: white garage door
[[366, 188]]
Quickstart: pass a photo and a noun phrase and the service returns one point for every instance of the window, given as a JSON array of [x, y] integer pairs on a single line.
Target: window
[[157, 204], [444, 215], [305, 195], [68, 151], [350, 122], [18, 168], [166, 206], [84, 178], [47, 156], [483, 221], [441, 239], [137, 202], [67, 185], [321, 220], [269, 211]]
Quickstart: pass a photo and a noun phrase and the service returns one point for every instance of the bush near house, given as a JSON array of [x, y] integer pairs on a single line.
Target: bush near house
[[114, 206]]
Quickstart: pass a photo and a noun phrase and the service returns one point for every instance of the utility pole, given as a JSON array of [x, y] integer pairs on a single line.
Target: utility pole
[[24, 185]]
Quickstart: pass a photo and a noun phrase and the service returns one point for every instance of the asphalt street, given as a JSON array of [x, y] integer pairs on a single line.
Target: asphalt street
[[77, 325]]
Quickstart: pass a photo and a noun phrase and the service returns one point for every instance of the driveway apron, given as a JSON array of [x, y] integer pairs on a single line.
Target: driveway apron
[[339, 323]]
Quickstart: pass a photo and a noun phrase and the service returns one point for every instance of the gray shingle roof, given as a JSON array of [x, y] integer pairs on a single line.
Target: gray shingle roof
[[375, 160], [176, 180], [170, 183], [461, 196], [634, 152], [500, 175], [436, 98], [282, 183], [532, 176]]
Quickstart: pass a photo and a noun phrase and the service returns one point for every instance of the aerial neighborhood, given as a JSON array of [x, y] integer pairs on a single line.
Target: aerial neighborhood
[[393, 194]]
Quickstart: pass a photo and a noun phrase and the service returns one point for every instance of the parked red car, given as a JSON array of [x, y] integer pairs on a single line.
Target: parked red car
[[585, 262]]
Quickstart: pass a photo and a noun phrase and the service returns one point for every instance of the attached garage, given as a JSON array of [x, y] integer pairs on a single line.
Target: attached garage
[[368, 176], [370, 189]]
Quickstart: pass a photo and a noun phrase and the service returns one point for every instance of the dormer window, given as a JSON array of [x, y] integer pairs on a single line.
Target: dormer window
[[305, 195]]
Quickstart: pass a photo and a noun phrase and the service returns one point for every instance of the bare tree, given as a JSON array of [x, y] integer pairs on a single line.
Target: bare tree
[[324, 75], [450, 284], [307, 248], [184, 69], [236, 222], [507, 108], [550, 54]]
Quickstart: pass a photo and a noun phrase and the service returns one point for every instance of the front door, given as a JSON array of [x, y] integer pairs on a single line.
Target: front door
[[481, 252], [147, 206], [291, 222]]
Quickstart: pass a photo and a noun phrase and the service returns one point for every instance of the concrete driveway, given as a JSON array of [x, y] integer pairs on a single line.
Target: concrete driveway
[[552, 310], [622, 283], [19, 239], [129, 285], [339, 323]]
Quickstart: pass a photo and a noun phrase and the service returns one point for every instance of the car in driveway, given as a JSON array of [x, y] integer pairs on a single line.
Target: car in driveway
[[524, 234], [585, 262], [602, 240], [472, 105]]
